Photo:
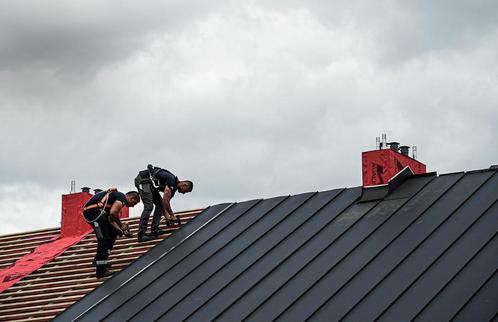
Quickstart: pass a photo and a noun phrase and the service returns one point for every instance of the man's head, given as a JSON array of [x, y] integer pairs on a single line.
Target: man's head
[[132, 198], [185, 186]]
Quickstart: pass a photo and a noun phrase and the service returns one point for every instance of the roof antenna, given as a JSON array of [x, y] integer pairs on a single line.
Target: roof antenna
[[73, 186], [384, 141], [414, 152]]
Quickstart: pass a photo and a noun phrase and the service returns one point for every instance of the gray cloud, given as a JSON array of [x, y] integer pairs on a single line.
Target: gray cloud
[[82, 36], [248, 101], [405, 30]]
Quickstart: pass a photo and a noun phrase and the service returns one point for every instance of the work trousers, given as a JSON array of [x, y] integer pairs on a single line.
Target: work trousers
[[106, 237], [150, 198]]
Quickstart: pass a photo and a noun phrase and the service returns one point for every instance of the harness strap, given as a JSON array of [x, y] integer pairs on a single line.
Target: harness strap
[[153, 171], [103, 201], [96, 206], [102, 205]]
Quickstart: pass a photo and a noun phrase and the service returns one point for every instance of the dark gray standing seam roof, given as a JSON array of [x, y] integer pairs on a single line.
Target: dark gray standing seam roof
[[427, 251]]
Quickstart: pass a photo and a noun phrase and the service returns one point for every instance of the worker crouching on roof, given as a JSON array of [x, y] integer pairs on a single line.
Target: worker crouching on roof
[[149, 183], [101, 211]]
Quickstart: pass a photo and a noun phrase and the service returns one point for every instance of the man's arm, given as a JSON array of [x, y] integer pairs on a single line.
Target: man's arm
[[166, 201], [116, 222], [115, 209]]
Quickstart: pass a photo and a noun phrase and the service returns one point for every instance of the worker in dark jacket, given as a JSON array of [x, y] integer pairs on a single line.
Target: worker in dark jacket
[[149, 183], [101, 211]]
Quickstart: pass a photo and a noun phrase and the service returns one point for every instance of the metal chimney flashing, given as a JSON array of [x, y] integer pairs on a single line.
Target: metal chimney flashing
[[379, 192]]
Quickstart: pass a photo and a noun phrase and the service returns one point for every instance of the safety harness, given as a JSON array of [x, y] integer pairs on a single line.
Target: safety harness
[[153, 171], [102, 205]]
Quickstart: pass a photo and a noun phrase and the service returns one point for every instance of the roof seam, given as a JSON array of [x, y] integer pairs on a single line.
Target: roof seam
[[442, 254], [380, 251], [460, 270], [486, 210], [473, 296], [397, 236], [263, 277], [243, 250], [150, 264], [374, 204], [430, 234], [408, 199], [339, 213], [181, 260]]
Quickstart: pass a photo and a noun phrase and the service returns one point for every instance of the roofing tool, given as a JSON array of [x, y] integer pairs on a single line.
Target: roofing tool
[[169, 222], [120, 231]]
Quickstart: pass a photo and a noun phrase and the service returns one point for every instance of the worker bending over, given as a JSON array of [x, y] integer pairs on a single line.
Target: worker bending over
[[101, 211], [149, 183]]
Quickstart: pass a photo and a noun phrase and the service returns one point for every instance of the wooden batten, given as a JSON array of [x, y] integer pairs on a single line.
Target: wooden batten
[[64, 280]]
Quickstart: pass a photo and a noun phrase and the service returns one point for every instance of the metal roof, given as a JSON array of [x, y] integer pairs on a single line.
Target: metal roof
[[427, 250]]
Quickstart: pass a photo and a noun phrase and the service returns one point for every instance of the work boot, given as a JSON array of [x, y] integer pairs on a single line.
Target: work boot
[[158, 231], [144, 238], [104, 273]]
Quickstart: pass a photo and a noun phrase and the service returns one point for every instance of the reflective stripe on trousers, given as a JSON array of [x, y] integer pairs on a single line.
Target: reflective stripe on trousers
[[102, 262]]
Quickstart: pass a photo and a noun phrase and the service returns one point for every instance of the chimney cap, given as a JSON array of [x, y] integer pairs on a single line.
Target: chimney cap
[[394, 146], [85, 189], [404, 149], [95, 191]]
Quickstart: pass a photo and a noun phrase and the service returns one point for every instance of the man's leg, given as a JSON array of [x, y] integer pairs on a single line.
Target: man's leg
[[145, 191], [158, 211], [93, 213], [102, 231], [113, 235]]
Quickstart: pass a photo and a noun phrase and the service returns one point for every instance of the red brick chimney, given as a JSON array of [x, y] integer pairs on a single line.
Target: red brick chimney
[[378, 166], [72, 222]]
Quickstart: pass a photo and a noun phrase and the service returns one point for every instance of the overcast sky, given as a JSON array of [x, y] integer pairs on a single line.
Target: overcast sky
[[248, 99]]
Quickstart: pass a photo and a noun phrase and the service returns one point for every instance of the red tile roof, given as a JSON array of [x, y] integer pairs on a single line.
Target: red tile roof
[[51, 289]]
